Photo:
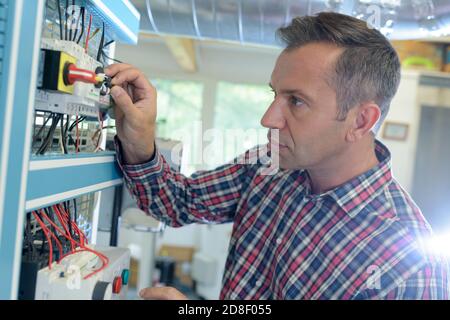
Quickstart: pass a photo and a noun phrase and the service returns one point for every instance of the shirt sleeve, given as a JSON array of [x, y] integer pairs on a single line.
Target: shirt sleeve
[[429, 283], [205, 197]]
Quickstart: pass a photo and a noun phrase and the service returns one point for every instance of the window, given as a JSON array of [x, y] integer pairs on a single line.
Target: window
[[238, 112], [179, 112]]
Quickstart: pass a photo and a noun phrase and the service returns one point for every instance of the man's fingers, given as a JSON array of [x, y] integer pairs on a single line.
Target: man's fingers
[[113, 69], [162, 293], [123, 100], [133, 77]]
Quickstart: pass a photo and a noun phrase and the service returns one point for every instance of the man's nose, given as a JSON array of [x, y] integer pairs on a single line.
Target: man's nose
[[274, 118]]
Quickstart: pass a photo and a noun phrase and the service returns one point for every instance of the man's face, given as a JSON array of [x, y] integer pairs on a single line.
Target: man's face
[[305, 109]]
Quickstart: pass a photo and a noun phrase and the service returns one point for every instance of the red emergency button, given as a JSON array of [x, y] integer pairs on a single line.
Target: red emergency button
[[117, 285]]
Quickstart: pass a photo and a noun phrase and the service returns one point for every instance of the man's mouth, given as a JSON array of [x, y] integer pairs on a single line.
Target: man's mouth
[[273, 141]]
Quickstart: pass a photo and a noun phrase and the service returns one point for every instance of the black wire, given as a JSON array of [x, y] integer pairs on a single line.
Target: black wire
[[77, 25], [75, 218], [42, 128], [71, 20], [60, 20], [76, 122], [72, 126], [66, 130], [115, 60], [67, 19], [69, 218], [108, 43], [102, 42], [103, 50], [49, 138], [63, 136], [43, 238], [83, 10], [29, 237]]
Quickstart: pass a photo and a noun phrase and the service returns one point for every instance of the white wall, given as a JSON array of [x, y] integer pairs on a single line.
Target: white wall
[[405, 108]]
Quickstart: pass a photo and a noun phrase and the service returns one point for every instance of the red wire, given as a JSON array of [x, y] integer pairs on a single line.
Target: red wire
[[58, 243], [88, 34], [105, 260], [63, 224], [59, 230], [81, 235], [46, 232], [61, 213]]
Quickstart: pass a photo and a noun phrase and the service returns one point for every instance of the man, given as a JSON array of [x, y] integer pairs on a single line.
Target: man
[[333, 223]]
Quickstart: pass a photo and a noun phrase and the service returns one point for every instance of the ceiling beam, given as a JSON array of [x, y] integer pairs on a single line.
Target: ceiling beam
[[183, 51]]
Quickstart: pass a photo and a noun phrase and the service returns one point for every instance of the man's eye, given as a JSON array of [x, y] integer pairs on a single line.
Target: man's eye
[[296, 101]]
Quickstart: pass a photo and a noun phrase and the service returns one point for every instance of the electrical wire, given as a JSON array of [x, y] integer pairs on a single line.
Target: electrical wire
[[77, 141], [52, 234], [99, 132], [63, 215], [63, 224], [60, 20], [49, 138], [108, 44], [29, 236], [72, 126], [75, 213], [63, 136], [67, 18], [83, 11], [69, 218], [77, 24], [109, 58], [71, 20], [105, 260], [46, 233], [86, 46], [42, 128], [102, 42], [57, 228], [97, 30]]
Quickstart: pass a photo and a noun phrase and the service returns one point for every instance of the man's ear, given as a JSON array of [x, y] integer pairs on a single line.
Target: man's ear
[[364, 119]]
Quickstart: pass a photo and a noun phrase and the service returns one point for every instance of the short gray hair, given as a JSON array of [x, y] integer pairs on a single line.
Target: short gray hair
[[367, 70]]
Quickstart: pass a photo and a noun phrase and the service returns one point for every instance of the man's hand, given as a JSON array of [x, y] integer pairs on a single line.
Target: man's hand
[[135, 112], [161, 293]]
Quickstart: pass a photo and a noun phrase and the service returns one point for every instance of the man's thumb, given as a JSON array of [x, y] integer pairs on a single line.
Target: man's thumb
[[122, 99]]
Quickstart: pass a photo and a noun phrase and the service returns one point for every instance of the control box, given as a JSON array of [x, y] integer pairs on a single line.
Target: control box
[[65, 281], [81, 98]]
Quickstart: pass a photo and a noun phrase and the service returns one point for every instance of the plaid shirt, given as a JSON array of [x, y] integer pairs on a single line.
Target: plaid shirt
[[365, 239]]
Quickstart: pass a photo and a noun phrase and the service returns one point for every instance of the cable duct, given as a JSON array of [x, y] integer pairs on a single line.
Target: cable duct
[[255, 21]]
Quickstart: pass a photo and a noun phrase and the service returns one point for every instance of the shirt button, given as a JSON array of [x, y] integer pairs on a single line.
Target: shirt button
[[258, 283], [279, 241]]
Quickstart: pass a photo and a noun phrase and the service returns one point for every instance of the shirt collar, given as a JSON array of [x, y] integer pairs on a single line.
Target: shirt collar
[[355, 194]]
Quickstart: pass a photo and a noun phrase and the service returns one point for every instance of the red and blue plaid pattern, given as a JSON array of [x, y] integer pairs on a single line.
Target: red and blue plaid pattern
[[362, 240]]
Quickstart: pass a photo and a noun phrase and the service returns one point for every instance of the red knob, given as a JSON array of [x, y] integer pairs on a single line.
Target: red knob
[[117, 285]]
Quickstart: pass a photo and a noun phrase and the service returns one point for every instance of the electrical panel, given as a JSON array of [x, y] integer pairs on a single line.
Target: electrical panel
[[72, 102], [78, 99], [71, 123]]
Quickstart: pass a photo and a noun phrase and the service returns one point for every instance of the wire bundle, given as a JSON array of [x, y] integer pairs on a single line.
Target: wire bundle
[[75, 25], [60, 229]]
